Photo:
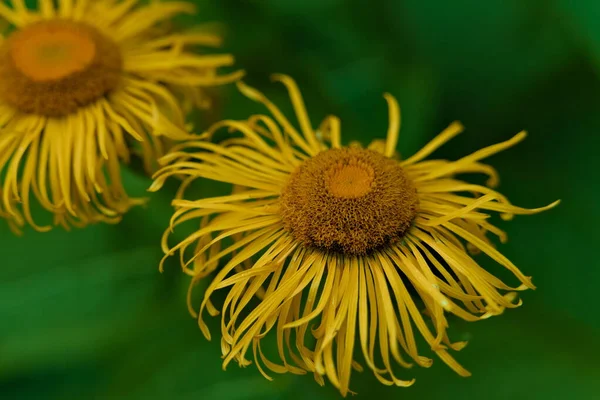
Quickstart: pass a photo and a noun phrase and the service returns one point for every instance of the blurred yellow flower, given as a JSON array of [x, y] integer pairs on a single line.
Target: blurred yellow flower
[[79, 81], [351, 239]]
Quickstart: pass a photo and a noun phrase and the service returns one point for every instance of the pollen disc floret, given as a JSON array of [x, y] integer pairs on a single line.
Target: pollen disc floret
[[348, 200], [54, 67]]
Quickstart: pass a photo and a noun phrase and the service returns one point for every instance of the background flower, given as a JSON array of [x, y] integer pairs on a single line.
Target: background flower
[[86, 315], [83, 85]]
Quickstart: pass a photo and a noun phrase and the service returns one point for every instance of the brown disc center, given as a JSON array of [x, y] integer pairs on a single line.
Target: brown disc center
[[348, 200], [54, 67]]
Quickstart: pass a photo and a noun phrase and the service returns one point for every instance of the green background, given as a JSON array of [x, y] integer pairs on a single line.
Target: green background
[[85, 314]]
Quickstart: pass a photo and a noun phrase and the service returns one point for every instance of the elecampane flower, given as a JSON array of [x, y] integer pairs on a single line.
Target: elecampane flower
[[83, 84], [365, 249]]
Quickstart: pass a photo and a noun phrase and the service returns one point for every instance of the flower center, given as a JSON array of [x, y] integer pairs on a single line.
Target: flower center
[[348, 200], [54, 67], [349, 180]]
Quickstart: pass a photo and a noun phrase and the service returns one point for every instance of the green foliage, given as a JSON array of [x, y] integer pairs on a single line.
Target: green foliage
[[85, 314]]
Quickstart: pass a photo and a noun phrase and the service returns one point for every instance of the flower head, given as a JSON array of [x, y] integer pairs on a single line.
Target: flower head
[[83, 84], [366, 249]]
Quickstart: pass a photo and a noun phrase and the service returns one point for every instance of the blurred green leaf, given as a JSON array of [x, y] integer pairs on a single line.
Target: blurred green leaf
[[580, 18]]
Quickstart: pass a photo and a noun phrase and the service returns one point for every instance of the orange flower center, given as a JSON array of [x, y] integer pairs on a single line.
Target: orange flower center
[[349, 180], [45, 52], [348, 200], [54, 67]]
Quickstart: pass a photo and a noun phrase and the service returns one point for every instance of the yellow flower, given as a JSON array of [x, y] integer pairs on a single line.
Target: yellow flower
[[365, 249], [83, 84]]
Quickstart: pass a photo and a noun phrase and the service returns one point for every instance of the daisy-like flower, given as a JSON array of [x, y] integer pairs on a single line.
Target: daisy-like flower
[[83, 84], [365, 249]]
